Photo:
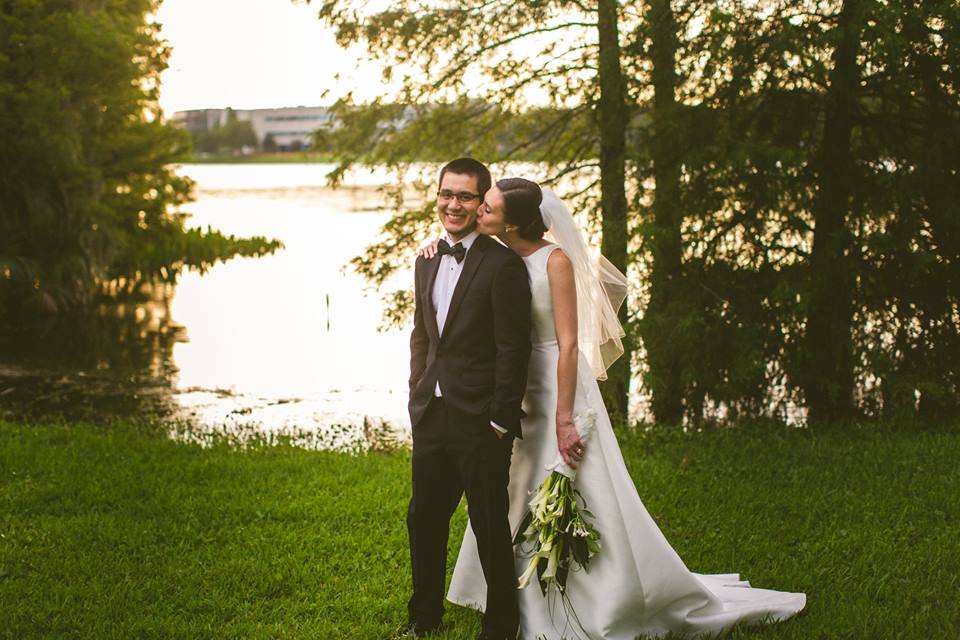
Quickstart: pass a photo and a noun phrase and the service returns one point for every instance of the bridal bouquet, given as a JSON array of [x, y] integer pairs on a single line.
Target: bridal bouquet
[[556, 526]]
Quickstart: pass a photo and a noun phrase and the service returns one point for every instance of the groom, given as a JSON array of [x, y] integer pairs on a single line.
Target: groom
[[468, 368]]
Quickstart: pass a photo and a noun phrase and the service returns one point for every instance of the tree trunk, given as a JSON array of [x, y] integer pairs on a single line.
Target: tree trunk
[[612, 117], [663, 351], [935, 173], [828, 378]]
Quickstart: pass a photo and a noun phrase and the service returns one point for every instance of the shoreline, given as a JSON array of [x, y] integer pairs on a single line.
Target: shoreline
[[292, 157]]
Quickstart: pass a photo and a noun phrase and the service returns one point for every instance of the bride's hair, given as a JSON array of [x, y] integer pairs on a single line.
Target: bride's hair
[[521, 206]]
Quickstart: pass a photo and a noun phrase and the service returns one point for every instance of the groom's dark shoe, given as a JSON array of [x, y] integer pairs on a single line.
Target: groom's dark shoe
[[487, 635], [418, 630]]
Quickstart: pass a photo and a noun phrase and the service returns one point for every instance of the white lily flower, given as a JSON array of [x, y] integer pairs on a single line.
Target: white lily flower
[[528, 574], [552, 561]]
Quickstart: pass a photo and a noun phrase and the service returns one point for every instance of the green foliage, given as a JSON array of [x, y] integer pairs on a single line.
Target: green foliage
[[734, 176], [269, 143], [115, 531], [756, 184], [162, 253], [465, 91], [88, 184], [232, 137]]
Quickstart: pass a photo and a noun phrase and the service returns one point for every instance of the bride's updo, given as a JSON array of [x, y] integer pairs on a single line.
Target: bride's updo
[[521, 206]]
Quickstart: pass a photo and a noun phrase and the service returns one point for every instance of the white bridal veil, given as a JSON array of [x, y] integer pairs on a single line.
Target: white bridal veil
[[601, 288]]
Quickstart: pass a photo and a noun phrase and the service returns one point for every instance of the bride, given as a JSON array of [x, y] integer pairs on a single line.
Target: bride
[[637, 584]]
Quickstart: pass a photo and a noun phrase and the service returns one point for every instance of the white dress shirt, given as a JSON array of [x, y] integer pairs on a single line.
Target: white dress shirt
[[448, 274], [447, 277]]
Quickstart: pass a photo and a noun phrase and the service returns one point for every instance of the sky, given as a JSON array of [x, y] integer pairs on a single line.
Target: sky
[[253, 54]]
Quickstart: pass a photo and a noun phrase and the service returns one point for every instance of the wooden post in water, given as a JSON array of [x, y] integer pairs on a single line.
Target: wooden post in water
[[327, 296]]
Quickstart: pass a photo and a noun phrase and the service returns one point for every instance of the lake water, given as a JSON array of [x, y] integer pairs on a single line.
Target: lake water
[[286, 344], [283, 343], [291, 336]]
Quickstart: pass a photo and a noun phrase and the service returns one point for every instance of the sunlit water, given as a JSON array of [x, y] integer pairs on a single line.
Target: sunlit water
[[292, 336], [283, 344]]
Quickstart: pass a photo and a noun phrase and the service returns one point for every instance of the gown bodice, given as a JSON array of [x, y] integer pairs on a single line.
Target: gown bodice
[[542, 329]]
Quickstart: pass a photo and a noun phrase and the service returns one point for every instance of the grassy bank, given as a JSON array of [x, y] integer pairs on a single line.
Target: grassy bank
[[288, 157], [116, 532]]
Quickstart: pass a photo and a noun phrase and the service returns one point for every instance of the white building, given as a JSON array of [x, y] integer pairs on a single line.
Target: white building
[[290, 127]]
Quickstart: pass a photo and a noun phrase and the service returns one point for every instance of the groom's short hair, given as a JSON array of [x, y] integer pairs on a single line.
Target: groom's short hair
[[470, 167]]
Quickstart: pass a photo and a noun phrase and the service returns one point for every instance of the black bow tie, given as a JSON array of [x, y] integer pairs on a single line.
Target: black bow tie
[[458, 251]]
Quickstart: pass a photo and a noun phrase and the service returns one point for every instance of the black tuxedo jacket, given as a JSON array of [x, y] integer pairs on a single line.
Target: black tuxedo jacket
[[481, 358]]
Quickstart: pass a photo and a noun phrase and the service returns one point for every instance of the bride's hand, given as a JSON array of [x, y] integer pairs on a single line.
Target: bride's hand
[[429, 249], [569, 443]]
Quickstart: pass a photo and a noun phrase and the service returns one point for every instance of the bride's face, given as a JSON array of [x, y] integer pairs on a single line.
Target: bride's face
[[490, 214]]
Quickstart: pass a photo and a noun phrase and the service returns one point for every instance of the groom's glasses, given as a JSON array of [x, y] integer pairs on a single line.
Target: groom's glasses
[[463, 197]]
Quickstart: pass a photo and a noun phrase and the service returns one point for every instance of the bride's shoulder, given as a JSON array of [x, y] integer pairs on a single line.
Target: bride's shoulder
[[557, 256], [558, 263]]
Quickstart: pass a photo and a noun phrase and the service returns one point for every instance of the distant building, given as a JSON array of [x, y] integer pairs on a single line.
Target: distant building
[[290, 127], [199, 120]]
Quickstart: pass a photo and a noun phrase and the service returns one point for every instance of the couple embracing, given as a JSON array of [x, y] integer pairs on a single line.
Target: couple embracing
[[509, 339]]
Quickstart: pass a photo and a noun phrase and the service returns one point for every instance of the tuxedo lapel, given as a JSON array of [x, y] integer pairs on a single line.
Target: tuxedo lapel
[[470, 265], [433, 266]]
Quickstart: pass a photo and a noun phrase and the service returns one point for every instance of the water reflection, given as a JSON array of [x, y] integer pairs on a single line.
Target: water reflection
[[113, 359], [285, 344]]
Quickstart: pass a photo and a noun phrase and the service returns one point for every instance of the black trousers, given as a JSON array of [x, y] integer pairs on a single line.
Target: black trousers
[[456, 454]]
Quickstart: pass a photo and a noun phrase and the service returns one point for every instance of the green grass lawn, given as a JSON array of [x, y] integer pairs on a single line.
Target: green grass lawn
[[119, 532]]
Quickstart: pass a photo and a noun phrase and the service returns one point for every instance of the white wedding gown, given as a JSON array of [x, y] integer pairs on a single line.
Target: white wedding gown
[[637, 584]]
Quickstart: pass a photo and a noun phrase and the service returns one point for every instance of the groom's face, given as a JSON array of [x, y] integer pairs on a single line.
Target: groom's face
[[458, 212]]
